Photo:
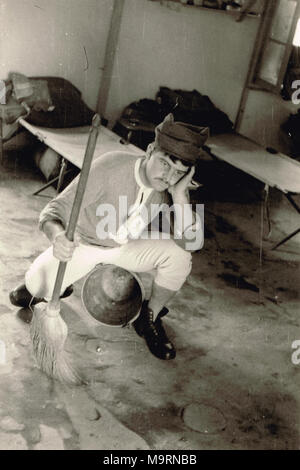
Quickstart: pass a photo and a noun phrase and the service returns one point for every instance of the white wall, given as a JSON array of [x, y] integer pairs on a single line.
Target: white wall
[[180, 47], [47, 37]]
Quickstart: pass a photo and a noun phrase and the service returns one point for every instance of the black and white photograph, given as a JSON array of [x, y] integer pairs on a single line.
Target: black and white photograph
[[149, 228]]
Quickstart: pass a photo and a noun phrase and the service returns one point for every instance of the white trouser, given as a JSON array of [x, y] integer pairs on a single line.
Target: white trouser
[[172, 264]]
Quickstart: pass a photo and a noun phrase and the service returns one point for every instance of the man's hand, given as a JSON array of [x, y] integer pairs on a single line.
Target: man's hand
[[180, 190], [62, 247]]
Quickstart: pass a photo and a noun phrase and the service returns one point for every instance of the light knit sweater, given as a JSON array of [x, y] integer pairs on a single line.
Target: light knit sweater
[[112, 175]]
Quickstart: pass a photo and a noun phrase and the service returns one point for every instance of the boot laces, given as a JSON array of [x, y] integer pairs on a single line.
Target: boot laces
[[151, 324], [157, 328]]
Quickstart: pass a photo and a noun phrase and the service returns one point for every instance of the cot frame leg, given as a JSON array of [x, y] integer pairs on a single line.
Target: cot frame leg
[[291, 235]]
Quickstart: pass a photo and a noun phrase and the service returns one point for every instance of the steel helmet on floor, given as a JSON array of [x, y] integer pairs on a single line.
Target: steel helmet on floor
[[112, 295]]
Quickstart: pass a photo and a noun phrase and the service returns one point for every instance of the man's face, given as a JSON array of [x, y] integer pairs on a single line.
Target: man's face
[[161, 172]]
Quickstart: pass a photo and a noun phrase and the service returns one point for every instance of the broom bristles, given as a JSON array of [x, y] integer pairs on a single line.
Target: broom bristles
[[48, 335]]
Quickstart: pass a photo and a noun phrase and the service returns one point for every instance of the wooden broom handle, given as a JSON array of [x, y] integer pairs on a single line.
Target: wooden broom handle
[[84, 174]]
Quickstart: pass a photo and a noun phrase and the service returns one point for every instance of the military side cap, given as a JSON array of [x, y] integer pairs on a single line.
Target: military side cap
[[180, 139]]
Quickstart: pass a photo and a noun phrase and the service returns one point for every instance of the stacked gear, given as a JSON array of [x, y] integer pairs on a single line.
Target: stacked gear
[[139, 119]]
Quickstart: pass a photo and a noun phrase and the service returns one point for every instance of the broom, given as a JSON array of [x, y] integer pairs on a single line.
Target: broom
[[48, 330]]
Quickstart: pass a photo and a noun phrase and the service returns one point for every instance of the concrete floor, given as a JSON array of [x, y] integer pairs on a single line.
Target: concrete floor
[[232, 385]]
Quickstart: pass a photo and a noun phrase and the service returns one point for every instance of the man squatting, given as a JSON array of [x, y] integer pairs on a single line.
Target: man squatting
[[162, 176]]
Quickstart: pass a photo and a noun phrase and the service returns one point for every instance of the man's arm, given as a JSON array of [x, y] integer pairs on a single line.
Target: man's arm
[[188, 228], [52, 228], [55, 216], [54, 219], [59, 208], [62, 247]]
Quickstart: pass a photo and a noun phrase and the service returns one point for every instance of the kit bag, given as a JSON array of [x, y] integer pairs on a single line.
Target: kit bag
[[193, 108], [138, 121], [291, 130]]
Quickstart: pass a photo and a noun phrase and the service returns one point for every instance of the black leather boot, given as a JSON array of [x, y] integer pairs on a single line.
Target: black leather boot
[[20, 297], [154, 333]]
